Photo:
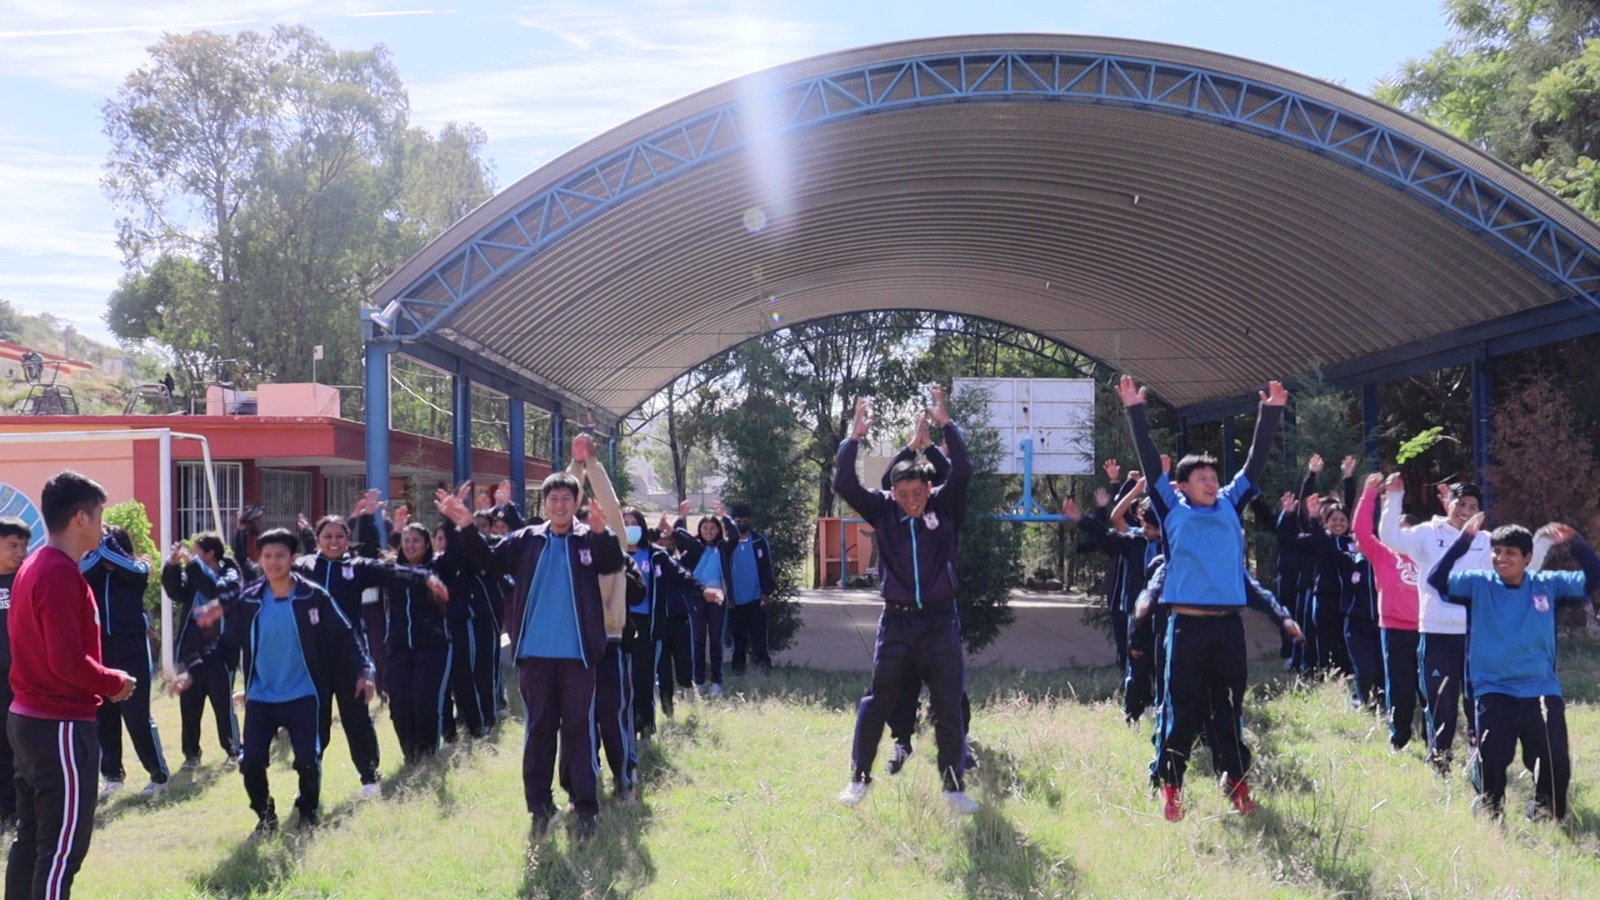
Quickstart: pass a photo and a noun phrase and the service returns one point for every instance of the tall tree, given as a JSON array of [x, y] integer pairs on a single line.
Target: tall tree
[[286, 168], [173, 305], [1520, 79]]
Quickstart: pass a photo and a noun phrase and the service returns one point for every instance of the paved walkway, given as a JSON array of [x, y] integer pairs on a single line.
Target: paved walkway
[[1049, 633]]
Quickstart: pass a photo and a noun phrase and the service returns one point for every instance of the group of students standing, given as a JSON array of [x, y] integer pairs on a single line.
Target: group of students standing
[[599, 622], [1437, 614]]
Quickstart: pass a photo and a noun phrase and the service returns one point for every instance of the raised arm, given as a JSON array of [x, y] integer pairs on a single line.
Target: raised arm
[[846, 483], [1269, 414], [1439, 578]]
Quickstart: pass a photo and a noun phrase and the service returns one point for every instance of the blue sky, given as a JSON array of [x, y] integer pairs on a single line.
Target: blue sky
[[543, 78]]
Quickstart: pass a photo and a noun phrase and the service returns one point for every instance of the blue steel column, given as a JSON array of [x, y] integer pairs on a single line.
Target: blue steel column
[[558, 439], [377, 416], [1369, 421], [1228, 453], [461, 410], [1482, 422], [517, 446]]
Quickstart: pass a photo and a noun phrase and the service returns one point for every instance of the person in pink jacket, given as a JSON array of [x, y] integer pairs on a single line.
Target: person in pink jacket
[[1397, 576]]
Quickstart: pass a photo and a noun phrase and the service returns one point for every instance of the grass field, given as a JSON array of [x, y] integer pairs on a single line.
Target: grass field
[[739, 803]]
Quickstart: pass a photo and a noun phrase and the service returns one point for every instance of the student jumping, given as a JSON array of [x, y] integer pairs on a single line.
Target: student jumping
[[916, 527], [1207, 666]]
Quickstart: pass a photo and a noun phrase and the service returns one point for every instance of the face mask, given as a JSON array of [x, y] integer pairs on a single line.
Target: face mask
[[634, 534]]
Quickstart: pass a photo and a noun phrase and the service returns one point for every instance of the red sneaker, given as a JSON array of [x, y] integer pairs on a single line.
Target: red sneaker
[[1172, 802], [1239, 793]]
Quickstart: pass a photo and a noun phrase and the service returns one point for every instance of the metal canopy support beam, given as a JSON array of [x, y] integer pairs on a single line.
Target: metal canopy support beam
[[1369, 420], [1482, 420], [461, 429], [558, 439], [517, 425], [1183, 439], [457, 362], [1537, 327], [377, 417], [1228, 454]]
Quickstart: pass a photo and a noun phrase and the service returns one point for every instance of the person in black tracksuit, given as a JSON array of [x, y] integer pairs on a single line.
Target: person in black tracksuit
[[1294, 580], [1130, 552], [474, 655], [748, 593], [419, 646], [195, 584], [295, 646], [1325, 535], [347, 574], [119, 581], [15, 536], [916, 526], [903, 718], [707, 556], [675, 661], [645, 634]]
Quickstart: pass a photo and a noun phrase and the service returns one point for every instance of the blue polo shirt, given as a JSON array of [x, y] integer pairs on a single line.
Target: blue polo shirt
[[280, 673], [550, 625], [746, 578], [1511, 646], [1205, 565], [708, 571]]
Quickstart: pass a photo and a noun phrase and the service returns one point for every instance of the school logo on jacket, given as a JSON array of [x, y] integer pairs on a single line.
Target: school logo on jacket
[[1541, 602], [314, 615], [931, 520], [349, 572], [586, 557]]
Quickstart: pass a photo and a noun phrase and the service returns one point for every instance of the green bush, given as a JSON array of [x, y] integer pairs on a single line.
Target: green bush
[[130, 515]]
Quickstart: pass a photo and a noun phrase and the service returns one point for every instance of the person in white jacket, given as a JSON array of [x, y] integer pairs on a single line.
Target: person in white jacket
[[1442, 653]]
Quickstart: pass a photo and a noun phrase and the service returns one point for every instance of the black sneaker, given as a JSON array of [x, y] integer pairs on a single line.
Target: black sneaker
[[898, 757], [540, 828], [584, 828], [1538, 812], [267, 820], [969, 762], [307, 821]]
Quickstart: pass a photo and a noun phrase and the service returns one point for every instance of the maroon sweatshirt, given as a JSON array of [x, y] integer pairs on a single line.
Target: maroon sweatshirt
[[55, 641]]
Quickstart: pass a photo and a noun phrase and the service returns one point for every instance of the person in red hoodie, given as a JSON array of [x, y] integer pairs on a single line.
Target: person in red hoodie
[[57, 682], [1397, 576]]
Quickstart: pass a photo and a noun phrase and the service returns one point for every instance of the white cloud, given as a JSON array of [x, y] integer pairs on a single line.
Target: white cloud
[[56, 42], [613, 62]]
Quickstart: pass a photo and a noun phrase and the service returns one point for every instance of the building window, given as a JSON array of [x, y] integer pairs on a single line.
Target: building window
[[341, 493], [194, 502], [285, 497]]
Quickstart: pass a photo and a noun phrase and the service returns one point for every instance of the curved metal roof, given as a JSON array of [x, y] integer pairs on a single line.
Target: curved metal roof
[[1201, 221]]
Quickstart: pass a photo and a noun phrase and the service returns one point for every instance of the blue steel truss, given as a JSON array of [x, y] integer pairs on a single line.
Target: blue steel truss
[[1471, 199]]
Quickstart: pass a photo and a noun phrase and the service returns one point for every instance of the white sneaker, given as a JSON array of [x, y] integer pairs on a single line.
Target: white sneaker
[[369, 791], [231, 763], [961, 804], [154, 789], [716, 689], [111, 787], [854, 793]]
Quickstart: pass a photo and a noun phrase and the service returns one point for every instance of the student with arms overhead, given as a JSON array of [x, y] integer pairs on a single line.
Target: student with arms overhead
[[1511, 651], [1207, 665], [916, 527]]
